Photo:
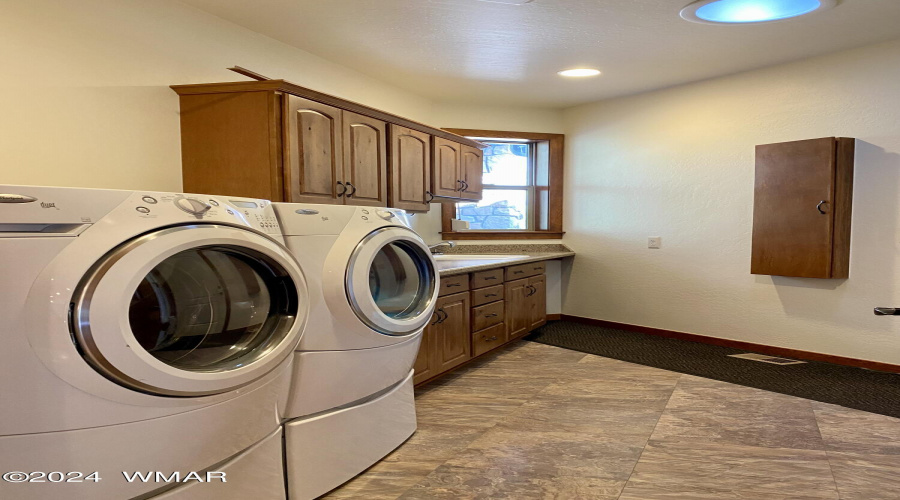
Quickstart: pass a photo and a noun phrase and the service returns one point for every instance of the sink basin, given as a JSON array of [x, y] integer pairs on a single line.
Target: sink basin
[[463, 257]]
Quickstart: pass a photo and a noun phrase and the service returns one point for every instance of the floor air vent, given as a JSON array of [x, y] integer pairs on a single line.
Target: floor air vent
[[765, 358]]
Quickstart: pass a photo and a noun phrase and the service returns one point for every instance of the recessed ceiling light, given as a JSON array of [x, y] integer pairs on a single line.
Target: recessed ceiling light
[[751, 11], [577, 72]]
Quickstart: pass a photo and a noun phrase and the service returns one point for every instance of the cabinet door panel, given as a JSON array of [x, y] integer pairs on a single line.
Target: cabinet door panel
[[517, 308], [410, 168], [471, 172], [425, 366], [454, 337], [447, 157], [791, 236], [537, 302], [314, 151], [365, 160]]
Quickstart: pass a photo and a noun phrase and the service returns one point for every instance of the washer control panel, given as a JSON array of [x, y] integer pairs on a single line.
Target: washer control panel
[[257, 214]]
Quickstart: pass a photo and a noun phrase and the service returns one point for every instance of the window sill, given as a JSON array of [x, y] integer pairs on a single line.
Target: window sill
[[502, 235]]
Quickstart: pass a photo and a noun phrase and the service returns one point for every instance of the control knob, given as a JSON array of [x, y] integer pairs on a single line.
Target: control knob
[[192, 206]]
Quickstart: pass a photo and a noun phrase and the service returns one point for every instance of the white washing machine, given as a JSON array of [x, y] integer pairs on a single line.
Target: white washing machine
[[143, 332], [373, 284]]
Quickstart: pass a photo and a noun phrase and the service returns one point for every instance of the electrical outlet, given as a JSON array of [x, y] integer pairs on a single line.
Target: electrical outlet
[[654, 242]]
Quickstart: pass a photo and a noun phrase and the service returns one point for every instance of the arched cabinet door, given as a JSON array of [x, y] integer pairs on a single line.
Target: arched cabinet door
[[315, 153], [410, 169], [447, 181], [471, 170], [365, 160]]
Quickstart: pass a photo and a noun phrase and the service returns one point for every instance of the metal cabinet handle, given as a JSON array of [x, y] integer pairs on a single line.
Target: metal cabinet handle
[[465, 186], [438, 319], [819, 207], [351, 193], [343, 189], [493, 315], [492, 294], [533, 290], [458, 185], [451, 285], [887, 311], [538, 268], [441, 319], [430, 196], [518, 272], [489, 339], [487, 278]]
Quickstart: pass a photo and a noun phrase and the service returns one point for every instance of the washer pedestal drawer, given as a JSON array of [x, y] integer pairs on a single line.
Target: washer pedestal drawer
[[327, 450]]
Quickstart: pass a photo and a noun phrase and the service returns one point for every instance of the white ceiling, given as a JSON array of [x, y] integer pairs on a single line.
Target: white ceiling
[[479, 51]]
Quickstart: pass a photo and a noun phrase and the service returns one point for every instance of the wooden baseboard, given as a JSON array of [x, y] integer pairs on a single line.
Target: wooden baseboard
[[554, 317], [737, 344]]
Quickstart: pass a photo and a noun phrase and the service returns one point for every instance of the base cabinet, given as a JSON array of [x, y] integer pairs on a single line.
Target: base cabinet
[[478, 313], [445, 342]]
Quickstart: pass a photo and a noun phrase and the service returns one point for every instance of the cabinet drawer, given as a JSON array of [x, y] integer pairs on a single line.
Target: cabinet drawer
[[487, 315], [525, 270], [454, 284], [487, 295], [487, 339], [482, 279]]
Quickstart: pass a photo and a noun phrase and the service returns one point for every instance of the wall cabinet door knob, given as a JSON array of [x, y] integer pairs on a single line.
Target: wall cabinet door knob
[[343, 189]]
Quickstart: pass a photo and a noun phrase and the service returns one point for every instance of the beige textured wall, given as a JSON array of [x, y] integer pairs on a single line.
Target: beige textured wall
[[85, 94], [679, 164]]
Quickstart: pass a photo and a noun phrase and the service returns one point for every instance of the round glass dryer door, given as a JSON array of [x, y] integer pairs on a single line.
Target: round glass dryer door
[[211, 308], [391, 281], [190, 310]]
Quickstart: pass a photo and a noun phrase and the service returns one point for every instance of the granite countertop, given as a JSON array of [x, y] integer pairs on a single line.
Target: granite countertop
[[512, 255]]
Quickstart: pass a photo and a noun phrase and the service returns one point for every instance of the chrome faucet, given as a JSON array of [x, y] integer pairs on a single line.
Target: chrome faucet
[[448, 244]]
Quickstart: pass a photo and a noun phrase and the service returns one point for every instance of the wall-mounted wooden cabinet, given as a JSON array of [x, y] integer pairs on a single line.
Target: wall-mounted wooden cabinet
[[458, 171], [275, 140], [802, 208], [410, 168]]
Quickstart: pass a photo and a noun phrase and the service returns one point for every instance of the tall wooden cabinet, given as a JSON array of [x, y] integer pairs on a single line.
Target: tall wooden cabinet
[[802, 208], [275, 140]]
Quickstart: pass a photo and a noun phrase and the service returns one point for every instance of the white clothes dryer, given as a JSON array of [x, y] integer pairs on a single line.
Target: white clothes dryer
[[373, 285], [145, 332]]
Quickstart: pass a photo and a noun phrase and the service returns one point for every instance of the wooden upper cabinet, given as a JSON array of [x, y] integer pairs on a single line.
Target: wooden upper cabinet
[[471, 171], [447, 181], [315, 152], [365, 160], [410, 168], [279, 141], [230, 144], [802, 208]]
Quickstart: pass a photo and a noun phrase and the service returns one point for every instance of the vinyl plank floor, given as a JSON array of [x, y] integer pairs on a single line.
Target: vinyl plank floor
[[533, 421]]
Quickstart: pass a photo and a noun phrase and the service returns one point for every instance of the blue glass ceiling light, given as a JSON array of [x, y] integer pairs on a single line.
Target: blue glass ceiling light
[[751, 11]]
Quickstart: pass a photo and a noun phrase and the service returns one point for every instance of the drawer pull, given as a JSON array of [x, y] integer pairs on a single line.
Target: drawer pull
[[450, 285], [518, 272], [490, 278], [489, 339], [491, 294], [492, 315], [538, 268]]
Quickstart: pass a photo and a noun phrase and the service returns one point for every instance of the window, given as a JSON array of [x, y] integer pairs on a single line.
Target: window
[[508, 189], [522, 188]]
